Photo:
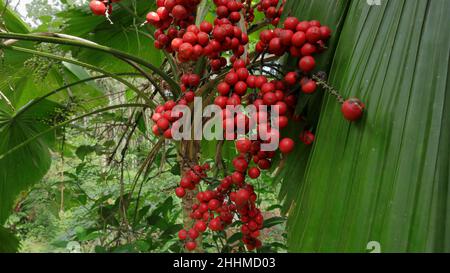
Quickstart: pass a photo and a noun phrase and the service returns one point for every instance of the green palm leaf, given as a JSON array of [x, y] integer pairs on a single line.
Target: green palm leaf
[[385, 178]]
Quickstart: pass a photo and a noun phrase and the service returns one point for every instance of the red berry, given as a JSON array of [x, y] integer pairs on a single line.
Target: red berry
[[325, 32], [98, 7], [193, 234], [223, 88], [240, 88], [179, 12], [286, 37], [307, 64], [190, 37], [206, 27], [191, 246], [298, 39], [242, 74], [286, 145], [240, 165], [163, 124], [309, 87], [243, 145], [313, 34], [200, 226], [291, 78], [254, 172], [307, 137], [216, 224], [182, 234], [213, 204], [152, 17], [180, 192], [291, 23], [232, 78], [242, 197], [352, 109]]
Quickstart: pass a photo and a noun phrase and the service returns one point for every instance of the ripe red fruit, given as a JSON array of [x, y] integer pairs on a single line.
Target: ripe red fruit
[[163, 124], [200, 226], [264, 164], [242, 73], [237, 178], [232, 78], [182, 234], [223, 88], [191, 245], [221, 101], [291, 78], [240, 88], [313, 34], [352, 109], [179, 12], [203, 38], [193, 234], [286, 37], [286, 145], [152, 17], [298, 39], [216, 224], [242, 197], [307, 137], [275, 46], [240, 165], [267, 87], [308, 49], [190, 37], [98, 7], [325, 32], [309, 87], [186, 182], [206, 27], [243, 145], [193, 80], [254, 172], [270, 98], [291, 23], [266, 35], [186, 50], [303, 26], [213, 204], [219, 34], [307, 64], [180, 192]]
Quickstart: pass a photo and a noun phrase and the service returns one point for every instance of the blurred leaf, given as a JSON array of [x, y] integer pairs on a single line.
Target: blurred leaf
[[273, 222], [8, 242]]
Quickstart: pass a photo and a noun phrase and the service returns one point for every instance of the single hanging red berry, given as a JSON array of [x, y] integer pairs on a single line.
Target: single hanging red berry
[[307, 137], [352, 109], [286, 145], [97, 7]]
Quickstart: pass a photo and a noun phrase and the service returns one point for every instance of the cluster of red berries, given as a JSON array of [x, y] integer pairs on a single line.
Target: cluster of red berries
[[164, 119], [192, 178], [176, 32], [217, 208], [178, 13], [102, 7], [272, 9]]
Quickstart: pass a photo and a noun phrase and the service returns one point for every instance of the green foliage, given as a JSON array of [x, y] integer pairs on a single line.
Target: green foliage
[[16, 128], [9, 243], [124, 33]]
